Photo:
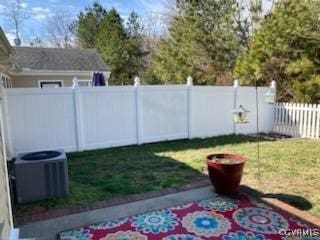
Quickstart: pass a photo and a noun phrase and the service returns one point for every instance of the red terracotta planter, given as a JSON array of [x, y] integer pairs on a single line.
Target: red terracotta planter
[[225, 171]]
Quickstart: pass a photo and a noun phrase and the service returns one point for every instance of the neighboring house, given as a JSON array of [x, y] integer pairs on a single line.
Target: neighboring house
[[49, 67], [7, 63]]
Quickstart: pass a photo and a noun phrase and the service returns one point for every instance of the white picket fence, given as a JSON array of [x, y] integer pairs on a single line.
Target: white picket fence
[[77, 119], [297, 120]]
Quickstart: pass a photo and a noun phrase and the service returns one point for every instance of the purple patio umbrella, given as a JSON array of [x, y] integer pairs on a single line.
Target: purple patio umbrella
[[98, 79]]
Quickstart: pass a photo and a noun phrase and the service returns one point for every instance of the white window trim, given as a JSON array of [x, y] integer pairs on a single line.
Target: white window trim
[[42, 81], [6, 80], [88, 81]]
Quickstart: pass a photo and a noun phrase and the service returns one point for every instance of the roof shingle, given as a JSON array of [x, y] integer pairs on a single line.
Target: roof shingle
[[63, 59]]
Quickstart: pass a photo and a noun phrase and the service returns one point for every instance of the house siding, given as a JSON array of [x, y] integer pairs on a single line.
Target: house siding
[[32, 81], [5, 210], [4, 204]]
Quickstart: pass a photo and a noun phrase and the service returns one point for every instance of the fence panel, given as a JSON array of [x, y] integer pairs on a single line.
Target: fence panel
[[41, 119], [163, 113], [297, 120], [108, 116], [246, 96], [211, 111]]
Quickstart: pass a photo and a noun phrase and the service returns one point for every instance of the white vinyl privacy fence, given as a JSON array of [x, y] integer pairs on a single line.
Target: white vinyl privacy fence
[[77, 119], [297, 120]]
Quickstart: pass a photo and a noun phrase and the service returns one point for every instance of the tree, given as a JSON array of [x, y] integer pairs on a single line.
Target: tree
[[58, 28], [111, 43], [36, 42], [15, 10], [134, 41], [153, 29], [286, 48], [256, 12], [134, 26], [86, 26], [121, 47], [203, 43], [242, 23]]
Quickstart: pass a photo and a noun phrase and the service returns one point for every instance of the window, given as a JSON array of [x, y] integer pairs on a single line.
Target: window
[[6, 81], [50, 83], [84, 83]]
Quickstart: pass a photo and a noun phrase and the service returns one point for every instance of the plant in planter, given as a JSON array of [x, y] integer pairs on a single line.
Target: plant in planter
[[225, 171]]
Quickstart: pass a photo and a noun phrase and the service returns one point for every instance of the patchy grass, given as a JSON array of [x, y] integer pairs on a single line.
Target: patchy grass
[[289, 170]]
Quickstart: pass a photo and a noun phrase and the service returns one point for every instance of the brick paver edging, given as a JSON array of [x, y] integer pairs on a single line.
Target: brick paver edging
[[314, 221], [202, 182]]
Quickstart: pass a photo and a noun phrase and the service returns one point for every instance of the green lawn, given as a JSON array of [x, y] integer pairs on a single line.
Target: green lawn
[[289, 169]]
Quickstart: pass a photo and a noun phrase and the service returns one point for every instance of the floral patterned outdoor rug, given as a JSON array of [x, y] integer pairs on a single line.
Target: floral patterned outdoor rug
[[221, 217]]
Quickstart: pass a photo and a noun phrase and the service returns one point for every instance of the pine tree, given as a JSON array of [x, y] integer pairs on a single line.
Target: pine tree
[[203, 43], [134, 26], [86, 26], [112, 44], [134, 30], [286, 48]]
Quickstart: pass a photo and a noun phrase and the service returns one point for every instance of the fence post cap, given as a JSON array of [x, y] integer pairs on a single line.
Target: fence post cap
[[75, 82], [137, 81], [189, 81], [236, 83]]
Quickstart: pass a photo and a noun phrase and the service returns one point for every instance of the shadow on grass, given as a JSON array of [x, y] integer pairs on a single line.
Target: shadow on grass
[[180, 145], [106, 173], [296, 201], [293, 200]]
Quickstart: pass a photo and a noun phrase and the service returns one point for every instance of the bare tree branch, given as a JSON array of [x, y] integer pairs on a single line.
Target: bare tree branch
[[153, 29], [36, 42], [58, 29], [16, 12]]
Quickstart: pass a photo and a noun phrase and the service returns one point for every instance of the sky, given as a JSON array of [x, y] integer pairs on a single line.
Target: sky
[[39, 10]]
